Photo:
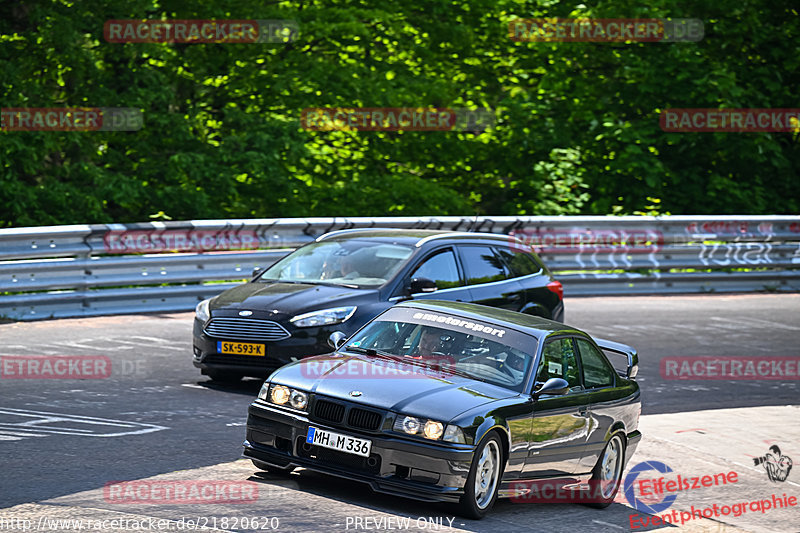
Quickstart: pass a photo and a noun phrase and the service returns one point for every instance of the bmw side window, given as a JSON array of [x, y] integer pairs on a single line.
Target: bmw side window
[[597, 372], [482, 265], [559, 361], [518, 263], [441, 268]]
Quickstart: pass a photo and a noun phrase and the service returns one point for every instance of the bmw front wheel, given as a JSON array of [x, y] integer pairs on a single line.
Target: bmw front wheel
[[483, 480]]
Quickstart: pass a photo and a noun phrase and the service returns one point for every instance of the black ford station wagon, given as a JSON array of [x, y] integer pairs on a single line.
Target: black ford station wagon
[[346, 278], [455, 402]]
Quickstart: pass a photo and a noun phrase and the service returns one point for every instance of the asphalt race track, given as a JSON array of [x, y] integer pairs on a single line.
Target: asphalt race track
[[151, 414]]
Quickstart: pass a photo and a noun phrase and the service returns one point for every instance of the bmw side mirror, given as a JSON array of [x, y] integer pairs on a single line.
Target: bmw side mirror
[[555, 386], [336, 340], [256, 272], [422, 285]]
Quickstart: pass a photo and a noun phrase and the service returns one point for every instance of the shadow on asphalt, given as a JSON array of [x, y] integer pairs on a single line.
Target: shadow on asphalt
[[249, 387]]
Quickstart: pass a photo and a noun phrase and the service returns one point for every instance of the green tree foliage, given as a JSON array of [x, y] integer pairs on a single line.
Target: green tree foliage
[[577, 129]]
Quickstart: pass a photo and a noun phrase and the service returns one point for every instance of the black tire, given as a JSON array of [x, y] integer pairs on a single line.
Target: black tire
[[480, 491], [272, 469], [224, 376], [607, 473]]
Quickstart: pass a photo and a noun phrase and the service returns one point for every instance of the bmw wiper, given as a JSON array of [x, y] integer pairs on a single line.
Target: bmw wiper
[[370, 351]]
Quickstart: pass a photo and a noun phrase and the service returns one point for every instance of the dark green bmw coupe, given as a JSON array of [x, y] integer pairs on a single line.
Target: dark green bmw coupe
[[455, 402]]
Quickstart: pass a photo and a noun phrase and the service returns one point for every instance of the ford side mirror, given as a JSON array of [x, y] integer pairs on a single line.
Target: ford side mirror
[[418, 285], [336, 340], [554, 386], [256, 272]]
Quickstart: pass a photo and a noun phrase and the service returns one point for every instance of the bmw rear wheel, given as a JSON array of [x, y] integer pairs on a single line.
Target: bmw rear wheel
[[607, 473]]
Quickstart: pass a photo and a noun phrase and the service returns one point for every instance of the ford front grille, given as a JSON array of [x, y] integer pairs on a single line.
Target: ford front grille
[[251, 329]]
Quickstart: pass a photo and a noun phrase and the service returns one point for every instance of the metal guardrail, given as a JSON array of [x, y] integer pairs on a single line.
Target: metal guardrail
[[88, 270]]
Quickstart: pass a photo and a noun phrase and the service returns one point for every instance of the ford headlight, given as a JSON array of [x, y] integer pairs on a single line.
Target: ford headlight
[[324, 317], [202, 310]]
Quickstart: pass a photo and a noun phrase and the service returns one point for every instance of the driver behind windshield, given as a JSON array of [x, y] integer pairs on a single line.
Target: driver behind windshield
[[515, 366], [340, 266], [429, 344]]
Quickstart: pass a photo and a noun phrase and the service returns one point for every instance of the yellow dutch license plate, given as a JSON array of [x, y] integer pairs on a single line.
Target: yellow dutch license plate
[[241, 348]]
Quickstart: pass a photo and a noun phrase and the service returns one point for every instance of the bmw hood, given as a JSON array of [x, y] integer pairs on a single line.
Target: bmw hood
[[390, 384]]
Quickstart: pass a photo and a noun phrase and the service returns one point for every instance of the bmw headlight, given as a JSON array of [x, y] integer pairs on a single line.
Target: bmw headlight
[[285, 396], [279, 394], [201, 311], [324, 317], [298, 399], [433, 430], [411, 425]]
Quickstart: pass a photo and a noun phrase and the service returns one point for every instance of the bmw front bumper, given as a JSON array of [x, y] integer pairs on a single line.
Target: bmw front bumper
[[417, 470]]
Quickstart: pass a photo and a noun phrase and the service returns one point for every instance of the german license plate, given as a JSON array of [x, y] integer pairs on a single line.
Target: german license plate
[[241, 348], [336, 441]]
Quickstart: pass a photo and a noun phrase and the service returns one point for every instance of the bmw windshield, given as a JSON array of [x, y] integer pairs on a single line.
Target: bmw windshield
[[469, 349]]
